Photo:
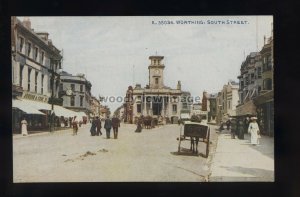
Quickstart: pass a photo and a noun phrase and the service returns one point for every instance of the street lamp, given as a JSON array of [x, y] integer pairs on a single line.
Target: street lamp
[[53, 73]]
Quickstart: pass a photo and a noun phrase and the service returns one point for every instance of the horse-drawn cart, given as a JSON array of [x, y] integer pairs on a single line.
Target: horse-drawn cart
[[194, 131]]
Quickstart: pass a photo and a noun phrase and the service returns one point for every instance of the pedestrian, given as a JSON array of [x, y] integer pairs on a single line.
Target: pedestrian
[[253, 129], [75, 125], [107, 126], [24, 127], [228, 122], [221, 126], [246, 124], [139, 125], [241, 132], [70, 122], [93, 127], [115, 124], [233, 128], [98, 126]]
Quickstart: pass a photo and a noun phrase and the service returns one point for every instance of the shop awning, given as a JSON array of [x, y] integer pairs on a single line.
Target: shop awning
[[20, 104], [61, 111], [35, 106]]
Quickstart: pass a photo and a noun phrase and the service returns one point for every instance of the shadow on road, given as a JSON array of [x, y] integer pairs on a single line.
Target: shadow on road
[[256, 172], [187, 152]]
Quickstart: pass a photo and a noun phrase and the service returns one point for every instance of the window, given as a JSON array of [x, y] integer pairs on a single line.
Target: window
[[267, 84], [174, 108], [229, 105], [21, 74], [139, 108], [21, 44], [73, 87], [72, 100], [184, 106], [29, 73], [36, 78], [42, 57], [28, 49], [36, 50], [81, 101], [252, 78], [42, 90], [156, 80], [81, 88], [259, 72]]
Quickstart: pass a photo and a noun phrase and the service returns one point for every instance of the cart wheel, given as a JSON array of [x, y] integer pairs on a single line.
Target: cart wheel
[[207, 144]]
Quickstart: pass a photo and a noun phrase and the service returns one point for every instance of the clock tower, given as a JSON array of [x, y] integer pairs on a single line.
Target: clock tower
[[156, 71]]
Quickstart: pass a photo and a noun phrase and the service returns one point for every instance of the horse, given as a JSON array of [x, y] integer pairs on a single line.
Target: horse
[[147, 122], [194, 142]]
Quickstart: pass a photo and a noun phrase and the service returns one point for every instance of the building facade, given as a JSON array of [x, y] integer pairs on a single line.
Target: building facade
[[227, 101], [35, 75], [95, 107], [212, 114], [250, 83], [80, 99], [256, 87], [265, 100], [156, 99]]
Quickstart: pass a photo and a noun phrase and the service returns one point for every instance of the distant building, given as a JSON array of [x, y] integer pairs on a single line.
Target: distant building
[[196, 109], [128, 106], [250, 83], [81, 92], [105, 112], [227, 100], [156, 99], [95, 107], [212, 114]]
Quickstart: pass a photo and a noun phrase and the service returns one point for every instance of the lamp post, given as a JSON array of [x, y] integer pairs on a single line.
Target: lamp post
[[52, 70]]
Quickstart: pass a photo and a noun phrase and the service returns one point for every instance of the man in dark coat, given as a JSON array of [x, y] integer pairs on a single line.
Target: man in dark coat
[[107, 126], [93, 127], [115, 124], [241, 129], [98, 126]]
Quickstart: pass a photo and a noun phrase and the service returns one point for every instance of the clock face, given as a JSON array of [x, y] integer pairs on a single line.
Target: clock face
[[156, 71], [69, 92]]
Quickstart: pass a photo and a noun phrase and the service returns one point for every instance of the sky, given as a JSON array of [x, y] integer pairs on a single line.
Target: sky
[[113, 51]]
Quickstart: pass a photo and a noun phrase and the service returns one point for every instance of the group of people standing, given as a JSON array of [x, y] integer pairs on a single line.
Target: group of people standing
[[108, 124], [241, 126]]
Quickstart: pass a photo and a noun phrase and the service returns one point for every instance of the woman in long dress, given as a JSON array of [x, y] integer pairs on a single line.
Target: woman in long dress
[[24, 127], [253, 129]]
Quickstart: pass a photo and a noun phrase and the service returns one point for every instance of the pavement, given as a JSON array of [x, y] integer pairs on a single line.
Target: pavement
[[45, 132], [237, 160]]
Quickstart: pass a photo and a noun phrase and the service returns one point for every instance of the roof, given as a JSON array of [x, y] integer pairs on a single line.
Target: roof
[[195, 123]]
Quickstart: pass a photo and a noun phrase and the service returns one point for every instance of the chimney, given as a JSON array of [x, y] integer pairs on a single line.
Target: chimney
[[178, 85], [26, 22]]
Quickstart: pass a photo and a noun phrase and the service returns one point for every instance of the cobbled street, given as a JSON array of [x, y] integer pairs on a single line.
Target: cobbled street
[[144, 157]]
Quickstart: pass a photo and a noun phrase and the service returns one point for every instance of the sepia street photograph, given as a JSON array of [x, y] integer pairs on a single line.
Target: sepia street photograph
[[142, 98]]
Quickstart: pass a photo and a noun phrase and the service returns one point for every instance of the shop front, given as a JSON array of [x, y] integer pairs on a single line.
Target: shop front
[[37, 115], [265, 113]]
